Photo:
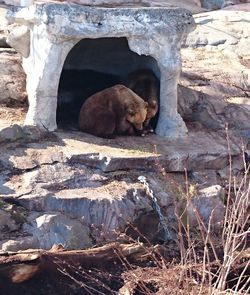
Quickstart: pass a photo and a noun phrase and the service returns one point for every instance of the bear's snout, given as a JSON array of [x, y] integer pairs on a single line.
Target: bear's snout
[[138, 126]]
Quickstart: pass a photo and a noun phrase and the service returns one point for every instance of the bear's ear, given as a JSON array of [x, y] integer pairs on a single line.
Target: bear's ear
[[131, 111], [146, 104], [153, 103]]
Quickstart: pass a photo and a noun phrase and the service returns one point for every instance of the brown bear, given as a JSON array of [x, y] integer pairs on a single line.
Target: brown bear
[[75, 86], [115, 110], [146, 85]]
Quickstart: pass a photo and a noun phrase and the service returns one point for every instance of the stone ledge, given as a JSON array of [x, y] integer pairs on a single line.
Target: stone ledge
[[197, 151]]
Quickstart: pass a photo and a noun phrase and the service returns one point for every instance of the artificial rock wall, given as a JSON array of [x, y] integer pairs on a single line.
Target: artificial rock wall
[[51, 30]]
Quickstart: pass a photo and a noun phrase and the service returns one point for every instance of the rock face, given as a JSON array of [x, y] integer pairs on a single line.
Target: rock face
[[67, 25], [75, 205], [66, 185], [218, 95], [54, 185]]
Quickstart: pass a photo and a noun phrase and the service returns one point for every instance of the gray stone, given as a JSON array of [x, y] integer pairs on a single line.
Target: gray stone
[[209, 207], [3, 21], [212, 4], [11, 133], [4, 190], [19, 38], [203, 178], [7, 223], [25, 133], [55, 228], [59, 27]]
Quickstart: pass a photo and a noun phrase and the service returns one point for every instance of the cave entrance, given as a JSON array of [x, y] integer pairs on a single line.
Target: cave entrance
[[91, 66]]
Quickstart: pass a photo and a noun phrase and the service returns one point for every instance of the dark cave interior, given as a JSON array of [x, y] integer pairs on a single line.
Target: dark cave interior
[[91, 66]]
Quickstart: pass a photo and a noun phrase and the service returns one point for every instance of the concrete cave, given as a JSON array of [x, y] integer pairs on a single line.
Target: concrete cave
[[61, 41]]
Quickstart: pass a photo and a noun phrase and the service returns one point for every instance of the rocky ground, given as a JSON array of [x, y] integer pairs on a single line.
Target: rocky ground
[[80, 190]]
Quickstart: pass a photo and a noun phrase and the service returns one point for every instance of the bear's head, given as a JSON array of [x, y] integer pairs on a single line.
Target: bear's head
[[137, 113], [145, 84]]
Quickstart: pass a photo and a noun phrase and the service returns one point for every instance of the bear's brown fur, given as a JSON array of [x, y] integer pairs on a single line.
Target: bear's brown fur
[[115, 110], [146, 85]]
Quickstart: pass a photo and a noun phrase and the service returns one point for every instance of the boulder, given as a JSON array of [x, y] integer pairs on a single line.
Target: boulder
[[11, 133], [17, 132]]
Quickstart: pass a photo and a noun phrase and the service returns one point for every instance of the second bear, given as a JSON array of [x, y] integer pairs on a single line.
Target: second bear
[[144, 83], [115, 110]]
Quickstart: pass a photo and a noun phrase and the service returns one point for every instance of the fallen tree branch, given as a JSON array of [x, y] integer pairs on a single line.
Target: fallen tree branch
[[22, 266]]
